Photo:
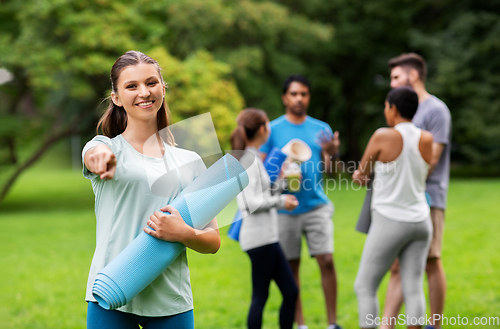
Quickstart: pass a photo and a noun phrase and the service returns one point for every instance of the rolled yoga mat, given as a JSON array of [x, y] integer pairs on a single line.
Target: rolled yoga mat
[[146, 257], [365, 216], [272, 163]]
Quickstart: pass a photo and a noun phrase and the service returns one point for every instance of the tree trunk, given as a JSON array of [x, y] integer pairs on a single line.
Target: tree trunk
[[41, 150]]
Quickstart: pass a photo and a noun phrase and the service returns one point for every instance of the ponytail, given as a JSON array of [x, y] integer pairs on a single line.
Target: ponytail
[[239, 138], [249, 122], [114, 121]]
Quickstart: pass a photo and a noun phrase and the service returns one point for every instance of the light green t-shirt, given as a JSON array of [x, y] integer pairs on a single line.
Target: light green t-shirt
[[123, 206]]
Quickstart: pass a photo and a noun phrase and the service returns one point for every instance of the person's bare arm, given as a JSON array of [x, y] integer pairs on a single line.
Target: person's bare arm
[[425, 146], [362, 175], [385, 145], [101, 160], [437, 150], [171, 227]]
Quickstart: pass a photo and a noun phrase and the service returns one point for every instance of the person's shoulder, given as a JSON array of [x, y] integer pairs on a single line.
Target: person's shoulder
[[103, 139], [315, 121], [114, 143], [437, 101], [437, 105], [278, 121], [317, 124], [385, 133]]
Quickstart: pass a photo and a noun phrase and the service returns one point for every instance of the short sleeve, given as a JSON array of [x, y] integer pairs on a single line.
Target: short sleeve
[[99, 139], [328, 129], [438, 124]]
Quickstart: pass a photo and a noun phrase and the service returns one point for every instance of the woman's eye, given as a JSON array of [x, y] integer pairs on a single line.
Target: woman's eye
[[152, 83], [130, 87]]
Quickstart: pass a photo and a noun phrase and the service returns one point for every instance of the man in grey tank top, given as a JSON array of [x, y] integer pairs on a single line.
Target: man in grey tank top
[[434, 116]]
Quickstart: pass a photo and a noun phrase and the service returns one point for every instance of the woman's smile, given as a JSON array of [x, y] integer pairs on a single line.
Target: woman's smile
[[146, 104]]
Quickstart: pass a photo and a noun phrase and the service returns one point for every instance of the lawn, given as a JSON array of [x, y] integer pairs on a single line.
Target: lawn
[[47, 234]]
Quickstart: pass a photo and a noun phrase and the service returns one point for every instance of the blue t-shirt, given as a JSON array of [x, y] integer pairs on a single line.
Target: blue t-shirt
[[311, 194]]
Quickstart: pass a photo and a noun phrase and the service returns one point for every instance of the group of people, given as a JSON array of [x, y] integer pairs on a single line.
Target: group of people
[[410, 158]]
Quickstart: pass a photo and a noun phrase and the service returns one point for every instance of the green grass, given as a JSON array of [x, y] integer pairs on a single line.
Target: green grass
[[47, 234]]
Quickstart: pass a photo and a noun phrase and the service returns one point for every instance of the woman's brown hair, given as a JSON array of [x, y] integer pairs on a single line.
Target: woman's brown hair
[[114, 120], [249, 121]]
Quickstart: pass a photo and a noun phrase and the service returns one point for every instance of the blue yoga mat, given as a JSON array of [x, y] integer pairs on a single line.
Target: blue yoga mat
[[272, 163], [234, 229], [146, 257]]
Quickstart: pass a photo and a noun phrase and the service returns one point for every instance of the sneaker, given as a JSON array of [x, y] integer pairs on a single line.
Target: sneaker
[[302, 327], [334, 326]]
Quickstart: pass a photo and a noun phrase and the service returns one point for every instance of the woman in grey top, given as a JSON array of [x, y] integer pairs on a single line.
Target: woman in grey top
[[259, 230]]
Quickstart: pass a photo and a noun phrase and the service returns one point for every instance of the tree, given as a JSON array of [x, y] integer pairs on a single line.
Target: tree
[[465, 67], [60, 54], [459, 40]]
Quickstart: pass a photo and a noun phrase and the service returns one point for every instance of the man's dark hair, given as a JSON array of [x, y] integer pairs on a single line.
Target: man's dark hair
[[410, 60], [295, 78], [405, 99]]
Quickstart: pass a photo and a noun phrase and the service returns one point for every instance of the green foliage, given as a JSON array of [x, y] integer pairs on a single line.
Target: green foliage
[[217, 52], [465, 59], [263, 41], [47, 229], [200, 84], [61, 52], [459, 40]]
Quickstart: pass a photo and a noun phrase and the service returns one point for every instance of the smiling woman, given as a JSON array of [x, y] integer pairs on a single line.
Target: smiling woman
[[140, 88], [135, 78], [119, 166]]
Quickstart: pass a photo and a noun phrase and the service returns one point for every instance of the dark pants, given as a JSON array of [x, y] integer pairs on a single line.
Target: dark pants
[[269, 263]]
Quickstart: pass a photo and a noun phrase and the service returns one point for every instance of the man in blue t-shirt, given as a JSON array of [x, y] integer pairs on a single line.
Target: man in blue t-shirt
[[434, 116], [313, 216]]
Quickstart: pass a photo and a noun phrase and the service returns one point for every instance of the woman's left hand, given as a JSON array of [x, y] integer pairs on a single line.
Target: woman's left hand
[[360, 179], [168, 227]]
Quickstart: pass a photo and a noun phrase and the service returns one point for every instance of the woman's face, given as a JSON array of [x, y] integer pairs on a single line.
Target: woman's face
[[140, 91]]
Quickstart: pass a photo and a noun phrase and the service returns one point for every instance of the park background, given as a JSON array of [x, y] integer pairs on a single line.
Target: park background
[[219, 57]]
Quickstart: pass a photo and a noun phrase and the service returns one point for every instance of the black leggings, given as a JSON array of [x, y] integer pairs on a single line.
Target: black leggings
[[269, 263]]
